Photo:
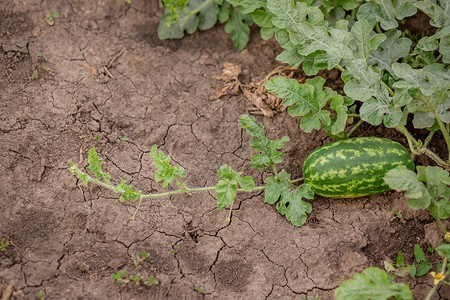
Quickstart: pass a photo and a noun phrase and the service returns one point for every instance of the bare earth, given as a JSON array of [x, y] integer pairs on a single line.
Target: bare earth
[[102, 78]]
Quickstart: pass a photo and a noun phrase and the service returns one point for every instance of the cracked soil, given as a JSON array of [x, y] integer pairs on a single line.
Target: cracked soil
[[101, 77]]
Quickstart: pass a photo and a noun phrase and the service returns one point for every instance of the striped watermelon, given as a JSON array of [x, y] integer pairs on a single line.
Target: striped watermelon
[[354, 167]]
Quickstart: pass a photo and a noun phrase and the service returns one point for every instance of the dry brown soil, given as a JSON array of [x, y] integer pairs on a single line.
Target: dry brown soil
[[67, 241]]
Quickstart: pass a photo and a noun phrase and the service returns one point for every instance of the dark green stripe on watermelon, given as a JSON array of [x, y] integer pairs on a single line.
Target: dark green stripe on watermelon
[[354, 167]]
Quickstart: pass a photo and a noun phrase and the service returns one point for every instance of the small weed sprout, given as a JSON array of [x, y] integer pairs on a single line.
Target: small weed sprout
[[3, 244], [123, 278], [40, 295], [200, 289], [151, 281], [50, 18]]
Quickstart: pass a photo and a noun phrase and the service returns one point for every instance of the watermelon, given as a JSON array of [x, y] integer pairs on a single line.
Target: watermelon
[[354, 167]]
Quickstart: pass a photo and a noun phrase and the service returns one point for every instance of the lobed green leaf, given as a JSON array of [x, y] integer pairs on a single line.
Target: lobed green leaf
[[227, 186], [269, 155], [198, 14], [237, 25], [402, 179], [95, 166], [127, 192], [374, 284], [164, 172], [386, 12]]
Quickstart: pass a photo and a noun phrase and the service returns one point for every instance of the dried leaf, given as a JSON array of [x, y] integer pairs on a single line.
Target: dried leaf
[[230, 72], [258, 102]]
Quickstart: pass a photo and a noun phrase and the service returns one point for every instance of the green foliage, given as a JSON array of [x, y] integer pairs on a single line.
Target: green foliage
[[386, 12], [433, 196], [268, 148], [164, 172], [226, 188], [308, 101], [288, 199], [374, 284], [41, 295], [237, 24], [50, 18], [3, 244], [200, 289], [95, 166], [444, 250], [181, 17], [127, 192], [123, 278], [151, 281]]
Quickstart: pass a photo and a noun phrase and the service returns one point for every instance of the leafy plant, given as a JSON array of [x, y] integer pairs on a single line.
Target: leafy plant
[[414, 270], [41, 295], [3, 244], [200, 289], [434, 196], [123, 278], [279, 188], [50, 18], [373, 283]]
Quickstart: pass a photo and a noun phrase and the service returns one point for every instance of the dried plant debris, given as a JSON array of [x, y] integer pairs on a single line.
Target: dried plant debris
[[264, 103]]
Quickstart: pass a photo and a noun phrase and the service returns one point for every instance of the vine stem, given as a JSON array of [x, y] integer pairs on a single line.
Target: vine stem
[[182, 190], [441, 225], [354, 127], [431, 292], [444, 132], [412, 142]]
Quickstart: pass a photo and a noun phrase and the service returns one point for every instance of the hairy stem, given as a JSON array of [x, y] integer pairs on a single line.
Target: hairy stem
[[354, 127], [412, 142], [441, 225], [444, 132]]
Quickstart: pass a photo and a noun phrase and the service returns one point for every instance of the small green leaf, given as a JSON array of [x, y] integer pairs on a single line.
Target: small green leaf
[[390, 50], [127, 192], [306, 100], [289, 203], [164, 172], [247, 6], [419, 255], [259, 142], [402, 179], [196, 15], [423, 268], [226, 193], [444, 250], [238, 25], [400, 260], [374, 284], [95, 166], [276, 186], [386, 12], [226, 188], [412, 270]]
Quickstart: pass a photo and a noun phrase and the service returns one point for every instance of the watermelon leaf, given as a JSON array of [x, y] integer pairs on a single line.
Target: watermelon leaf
[[237, 24], [289, 202], [434, 195], [95, 166], [268, 148], [164, 172], [308, 100], [402, 179], [226, 188], [374, 284], [127, 192], [197, 14]]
